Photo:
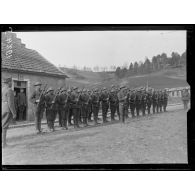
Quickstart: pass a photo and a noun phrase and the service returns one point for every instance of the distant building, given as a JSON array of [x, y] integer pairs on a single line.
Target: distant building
[[27, 66]]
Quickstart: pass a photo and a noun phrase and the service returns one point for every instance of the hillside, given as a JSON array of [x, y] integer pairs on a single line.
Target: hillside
[[169, 78]]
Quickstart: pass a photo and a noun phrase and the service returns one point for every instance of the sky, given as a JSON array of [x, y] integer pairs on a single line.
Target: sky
[[103, 48]]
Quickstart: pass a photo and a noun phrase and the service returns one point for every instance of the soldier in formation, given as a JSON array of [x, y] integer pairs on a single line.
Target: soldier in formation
[[84, 105]]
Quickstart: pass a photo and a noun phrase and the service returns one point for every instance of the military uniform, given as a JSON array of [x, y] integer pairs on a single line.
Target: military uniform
[[138, 102], [165, 100], [8, 108], [143, 103], [39, 107], [185, 99], [122, 98], [63, 107], [127, 105], [74, 100], [160, 101], [104, 98], [132, 99], [21, 105], [84, 106], [95, 100], [157, 102], [149, 101], [113, 99], [89, 107], [154, 101], [51, 108]]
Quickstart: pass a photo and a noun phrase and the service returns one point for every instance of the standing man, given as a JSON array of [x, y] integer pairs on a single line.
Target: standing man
[[70, 109], [143, 100], [104, 98], [95, 100], [51, 108], [154, 101], [165, 100], [122, 98], [113, 103], [185, 98], [63, 106], [21, 104], [149, 100], [16, 105], [8, 108], [132, 98], [138, 102], [38, 100], [89, 106]]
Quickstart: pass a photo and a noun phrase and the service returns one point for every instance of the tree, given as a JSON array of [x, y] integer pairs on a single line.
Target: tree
[[175, 59], [131, 69], [117, 72], [183, 59], [135, 68]]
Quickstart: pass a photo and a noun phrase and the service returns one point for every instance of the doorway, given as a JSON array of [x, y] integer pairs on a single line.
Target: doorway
[[21, 104]]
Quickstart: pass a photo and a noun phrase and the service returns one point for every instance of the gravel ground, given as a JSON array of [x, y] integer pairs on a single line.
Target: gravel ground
[[160, 138]]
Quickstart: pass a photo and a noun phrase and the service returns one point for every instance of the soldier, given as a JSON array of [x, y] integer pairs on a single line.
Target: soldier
[[89, 106], [157, 101], [132, 99], [143, 102], [113, 103], [70, 109], [127, 104], [95, 100], [104, 98], [165, 100], [117, 103], [38, 100], [122, 96], [59, 109], [74, 99], [8, 108], [21, 104], [149, 100], [185, 98], [51, 108], [138, 102], [16, 105], [154, 100], [160, 100], [84, 108], [63, 102]]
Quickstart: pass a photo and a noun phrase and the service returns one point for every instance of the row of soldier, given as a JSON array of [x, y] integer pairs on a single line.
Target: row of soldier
[[82, 104]]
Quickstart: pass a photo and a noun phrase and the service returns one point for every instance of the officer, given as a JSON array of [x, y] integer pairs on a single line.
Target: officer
[[38, 100], [95, 100], [104, 98], [132, 101], [165, 100], [84, 106], [21, 104], [122, 96], [89, 106], [74, 100], [138, 102], [185, 98], [51, 108], [149, 100], [127, 103], [63, 103], [8, 108], [113, 103]]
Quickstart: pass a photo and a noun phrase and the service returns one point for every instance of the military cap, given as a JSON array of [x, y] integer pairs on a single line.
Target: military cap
[[63, 89], [75, 88], [88, 90], [112, 91], [112, 86], [50, 89], [104, 88], [78, 90], [84, 90], [122, 86], [69, 90], [37, 83], [7, 80]]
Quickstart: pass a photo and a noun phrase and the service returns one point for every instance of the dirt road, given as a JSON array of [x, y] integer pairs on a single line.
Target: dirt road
[[160, 138]]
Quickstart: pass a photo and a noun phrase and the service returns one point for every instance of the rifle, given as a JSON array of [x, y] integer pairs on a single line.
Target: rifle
[[54, 100], [42, 92]]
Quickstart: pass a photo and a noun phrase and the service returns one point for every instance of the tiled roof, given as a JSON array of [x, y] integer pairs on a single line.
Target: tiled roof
[[26, 59]]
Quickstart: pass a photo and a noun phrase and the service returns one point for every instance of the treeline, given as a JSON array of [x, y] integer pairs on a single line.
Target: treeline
[[157, 63]]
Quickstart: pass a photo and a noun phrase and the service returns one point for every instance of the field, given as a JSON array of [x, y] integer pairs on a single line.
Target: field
[[160, 138], [168, 78]]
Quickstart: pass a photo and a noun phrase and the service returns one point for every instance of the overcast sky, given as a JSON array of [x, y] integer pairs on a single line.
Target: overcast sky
[[103, 48]]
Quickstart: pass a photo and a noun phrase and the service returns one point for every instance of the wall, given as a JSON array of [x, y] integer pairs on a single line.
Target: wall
[[54, 82]]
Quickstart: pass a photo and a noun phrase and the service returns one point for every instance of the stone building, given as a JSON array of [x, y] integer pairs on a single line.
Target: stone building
[[27, 66]]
